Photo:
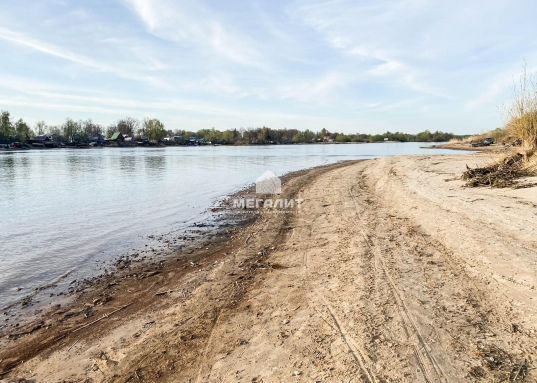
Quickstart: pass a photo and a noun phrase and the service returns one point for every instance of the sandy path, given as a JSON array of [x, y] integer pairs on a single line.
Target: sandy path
[[391, 272]]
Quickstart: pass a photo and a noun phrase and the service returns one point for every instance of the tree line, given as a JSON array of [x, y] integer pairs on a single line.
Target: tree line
[[82, 130], [154, 129]]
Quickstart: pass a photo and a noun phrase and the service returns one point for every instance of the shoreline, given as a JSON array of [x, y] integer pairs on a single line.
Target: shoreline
[[69, 310], [382, 248], [11, 150]]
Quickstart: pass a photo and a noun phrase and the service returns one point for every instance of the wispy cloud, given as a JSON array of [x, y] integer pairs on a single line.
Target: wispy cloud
[[342, 64], [191, 24], [21, 39], [50, 49]]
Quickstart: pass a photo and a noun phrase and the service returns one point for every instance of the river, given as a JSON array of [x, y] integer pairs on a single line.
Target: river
[[66, 210]]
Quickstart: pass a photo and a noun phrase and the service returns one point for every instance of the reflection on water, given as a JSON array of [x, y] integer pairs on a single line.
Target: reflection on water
[[63, 209]]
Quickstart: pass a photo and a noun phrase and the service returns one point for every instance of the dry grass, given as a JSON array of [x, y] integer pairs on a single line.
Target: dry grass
[[500, 135], [521, 114], [530, 165], [520, 129]]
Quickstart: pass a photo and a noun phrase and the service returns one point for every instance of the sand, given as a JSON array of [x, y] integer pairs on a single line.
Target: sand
[[390, 272]]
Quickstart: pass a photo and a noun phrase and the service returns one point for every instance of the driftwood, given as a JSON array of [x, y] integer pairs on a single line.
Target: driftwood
[[101, 318], [501, 174]]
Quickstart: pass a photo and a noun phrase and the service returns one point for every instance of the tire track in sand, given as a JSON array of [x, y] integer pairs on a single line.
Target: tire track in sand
[[430, 365], [356, 351]]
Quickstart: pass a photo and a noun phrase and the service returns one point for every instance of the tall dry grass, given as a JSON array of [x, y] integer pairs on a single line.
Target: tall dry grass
[[499, 135], [531, 163], [521, 114]]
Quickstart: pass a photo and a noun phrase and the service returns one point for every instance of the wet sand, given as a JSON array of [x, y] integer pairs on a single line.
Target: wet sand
[[390, 271]]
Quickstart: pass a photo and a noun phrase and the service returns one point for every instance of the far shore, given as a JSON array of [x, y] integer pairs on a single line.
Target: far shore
[[391, 270], [59, 146]]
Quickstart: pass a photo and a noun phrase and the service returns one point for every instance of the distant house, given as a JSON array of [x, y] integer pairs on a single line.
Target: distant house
[[97, 140], [117, 136], [117, 139], [40, 139], [143, 141], [326, 138], [129, 141], [386, 139], [43, 141]]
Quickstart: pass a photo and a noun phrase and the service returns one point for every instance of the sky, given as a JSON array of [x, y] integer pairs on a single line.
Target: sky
[[349, 66]]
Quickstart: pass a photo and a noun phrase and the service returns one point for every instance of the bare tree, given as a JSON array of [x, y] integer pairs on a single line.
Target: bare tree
[[91, 129], [40, 128], [128, 126]]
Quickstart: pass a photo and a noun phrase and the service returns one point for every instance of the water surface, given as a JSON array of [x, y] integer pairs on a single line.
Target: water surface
[[63, 210]]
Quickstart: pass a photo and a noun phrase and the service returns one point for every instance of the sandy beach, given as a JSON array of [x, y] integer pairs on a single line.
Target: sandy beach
[[391, 271]]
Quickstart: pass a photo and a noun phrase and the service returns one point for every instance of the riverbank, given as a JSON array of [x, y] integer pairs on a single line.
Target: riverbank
[[207, 144], [390, 271], [495, 148]]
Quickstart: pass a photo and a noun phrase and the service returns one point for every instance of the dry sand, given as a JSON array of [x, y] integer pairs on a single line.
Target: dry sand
[[390, 272]]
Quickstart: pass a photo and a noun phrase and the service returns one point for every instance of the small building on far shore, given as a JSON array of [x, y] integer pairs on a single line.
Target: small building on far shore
[[117, 136], [117, 139], [129, 141], [97, 140], [43, 141]]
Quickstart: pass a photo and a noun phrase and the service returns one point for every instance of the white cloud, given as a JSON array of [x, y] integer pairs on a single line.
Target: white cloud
[[409, 63], [317, 90], [191, 24], [19, 38], [100, 65]]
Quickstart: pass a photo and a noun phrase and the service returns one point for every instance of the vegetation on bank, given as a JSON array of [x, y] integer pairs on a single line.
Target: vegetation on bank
[[154, 129], [520, 129], [521, 113], [520, 117]]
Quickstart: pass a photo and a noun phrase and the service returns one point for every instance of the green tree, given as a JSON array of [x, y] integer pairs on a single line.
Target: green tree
[[264, 134], [298, 137], [6, 126], [230, 136], [71, 130], [425, 136], [342, 138], [309, 136], [154, 129], [376, 138], [23, 131]]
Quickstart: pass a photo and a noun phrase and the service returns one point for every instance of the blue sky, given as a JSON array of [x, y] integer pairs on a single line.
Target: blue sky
[[350, 66]]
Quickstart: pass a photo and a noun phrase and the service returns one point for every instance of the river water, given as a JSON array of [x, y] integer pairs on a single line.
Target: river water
[[62, 210]]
